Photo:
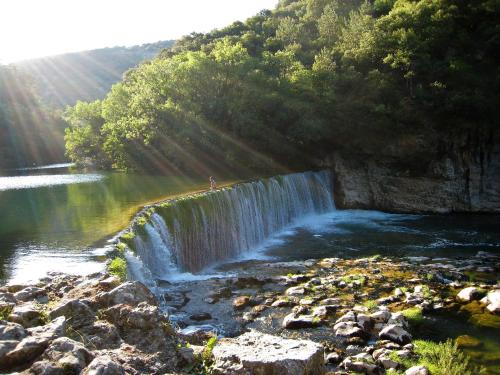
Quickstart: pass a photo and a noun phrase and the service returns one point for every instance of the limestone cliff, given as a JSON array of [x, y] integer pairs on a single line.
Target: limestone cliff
[[440, 174]]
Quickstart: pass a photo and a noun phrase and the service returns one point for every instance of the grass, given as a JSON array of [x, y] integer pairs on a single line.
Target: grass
[[370, 304], [440, 359], [413, 315], [5, 312], [118, 267]]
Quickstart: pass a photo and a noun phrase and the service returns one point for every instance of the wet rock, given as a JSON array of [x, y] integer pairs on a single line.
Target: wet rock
[[76, 310], [258, 353], [201, 316], [129, 293], [466, 341], [417, 370], [225, 292], [197, 335], [177, 300], [104, 365], [293, 321], [468, 294], [241, 302], [395, 333], [30, 293], [348, 329]]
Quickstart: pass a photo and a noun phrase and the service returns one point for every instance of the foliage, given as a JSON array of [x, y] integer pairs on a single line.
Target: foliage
[[288, 86], [5, 312], [440, 358], [118, 267]]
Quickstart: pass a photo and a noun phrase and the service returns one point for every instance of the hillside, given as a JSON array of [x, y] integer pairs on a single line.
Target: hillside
[[63, 79]]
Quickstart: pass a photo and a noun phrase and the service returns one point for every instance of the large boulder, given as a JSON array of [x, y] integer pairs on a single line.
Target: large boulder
[[259, 353]]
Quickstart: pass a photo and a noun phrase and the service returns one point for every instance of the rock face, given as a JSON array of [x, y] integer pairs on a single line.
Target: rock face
[[258, 353], [93, 330], [461, 178]]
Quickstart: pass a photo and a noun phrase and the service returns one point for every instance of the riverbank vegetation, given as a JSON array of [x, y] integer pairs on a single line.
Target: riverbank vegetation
[[288, 86], [30, 132]]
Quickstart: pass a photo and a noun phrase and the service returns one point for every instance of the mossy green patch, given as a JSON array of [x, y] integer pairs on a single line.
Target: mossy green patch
[[466, 341], [118, 267], [413, 315]]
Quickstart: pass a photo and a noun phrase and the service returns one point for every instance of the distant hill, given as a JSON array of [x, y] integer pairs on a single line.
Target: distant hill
[[63, 79]]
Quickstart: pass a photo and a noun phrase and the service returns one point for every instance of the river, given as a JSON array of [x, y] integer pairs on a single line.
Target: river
[[56, 218]]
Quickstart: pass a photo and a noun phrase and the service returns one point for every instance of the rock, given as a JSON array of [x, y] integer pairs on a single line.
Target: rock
[[398, 319], [398, 292], [323, 311], [129, 293], [381, 316], [177, 300], [103, 365], [33, 345], [187, 355], [109, 283], [468, 294], [26, 315], [67, 355], [466, 341], [30, 293], [293, 321], [282, 302], [259, 353], [8, 298], [387, 362], [348, 317], [295, 291], [201, 316], [241, 302], [12, 331], [364, 321], [493, 299], [332, 358], [363, 363], [417, 370], [395, 333], [348, 329], [76, 310]]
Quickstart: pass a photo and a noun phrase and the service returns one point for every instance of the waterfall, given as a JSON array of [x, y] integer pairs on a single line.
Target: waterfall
[[190, 233]]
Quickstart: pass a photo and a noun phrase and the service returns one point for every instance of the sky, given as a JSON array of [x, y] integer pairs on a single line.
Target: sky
[[36, 28]]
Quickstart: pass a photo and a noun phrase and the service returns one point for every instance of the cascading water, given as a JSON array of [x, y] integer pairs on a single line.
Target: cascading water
[[191, 233]]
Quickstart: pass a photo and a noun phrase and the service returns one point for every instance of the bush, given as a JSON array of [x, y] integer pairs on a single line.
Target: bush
[[118, 267]]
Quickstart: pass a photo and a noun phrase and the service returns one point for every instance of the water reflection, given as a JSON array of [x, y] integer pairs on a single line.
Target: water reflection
[[56, 221]]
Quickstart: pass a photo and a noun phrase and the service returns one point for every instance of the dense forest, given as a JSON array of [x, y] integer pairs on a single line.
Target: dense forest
[[289, 86], [30, 133], [63, 79]]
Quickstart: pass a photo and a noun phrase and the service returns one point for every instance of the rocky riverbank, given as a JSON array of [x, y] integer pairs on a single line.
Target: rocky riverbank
[[342, 316]]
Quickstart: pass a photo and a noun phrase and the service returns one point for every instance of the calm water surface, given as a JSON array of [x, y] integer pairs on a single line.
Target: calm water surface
[[53, 218]]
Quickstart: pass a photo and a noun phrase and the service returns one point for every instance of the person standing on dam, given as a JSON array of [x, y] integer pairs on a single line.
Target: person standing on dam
[[213, 183]]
